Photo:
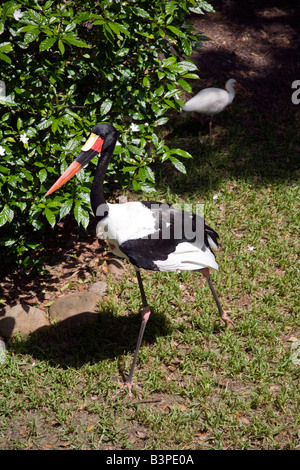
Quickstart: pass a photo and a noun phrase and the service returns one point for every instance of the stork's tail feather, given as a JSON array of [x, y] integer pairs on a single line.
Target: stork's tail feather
[[211, 237]]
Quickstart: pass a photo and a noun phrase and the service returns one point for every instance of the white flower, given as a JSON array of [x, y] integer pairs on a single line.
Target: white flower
[[2, 151], [24, 138], [134, 127], [18, 15], [215, 196], [250, 248]]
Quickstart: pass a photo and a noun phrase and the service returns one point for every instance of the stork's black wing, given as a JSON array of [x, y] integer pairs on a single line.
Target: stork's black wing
[[173, 227]]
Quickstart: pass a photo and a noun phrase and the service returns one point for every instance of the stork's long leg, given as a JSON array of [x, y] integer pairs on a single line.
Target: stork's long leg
[[223, 315], [210, 125], [145, 317]]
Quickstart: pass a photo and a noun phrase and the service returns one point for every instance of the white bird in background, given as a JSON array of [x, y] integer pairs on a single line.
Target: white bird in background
[[211, 101]]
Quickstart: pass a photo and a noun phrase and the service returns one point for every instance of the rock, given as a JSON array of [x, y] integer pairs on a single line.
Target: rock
[[98, 287], [74, 309], [115, 266], [2, 351], [22, 318]]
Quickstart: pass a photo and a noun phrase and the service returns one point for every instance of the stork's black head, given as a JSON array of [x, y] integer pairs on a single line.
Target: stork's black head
[[107, 132], [104, 129]]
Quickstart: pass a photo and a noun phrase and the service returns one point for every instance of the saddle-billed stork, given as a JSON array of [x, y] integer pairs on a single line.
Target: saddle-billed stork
[[150, 235], [211, 101]]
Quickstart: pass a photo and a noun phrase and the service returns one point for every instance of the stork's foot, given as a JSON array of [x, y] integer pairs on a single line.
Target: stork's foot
[[123, 386], [226, 319], [213, 136]]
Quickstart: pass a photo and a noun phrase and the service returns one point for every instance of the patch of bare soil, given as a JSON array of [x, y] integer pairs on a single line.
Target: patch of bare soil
[[72, 259]]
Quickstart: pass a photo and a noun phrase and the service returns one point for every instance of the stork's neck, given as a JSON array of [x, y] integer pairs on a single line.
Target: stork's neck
[[98, 201], [231, 92]]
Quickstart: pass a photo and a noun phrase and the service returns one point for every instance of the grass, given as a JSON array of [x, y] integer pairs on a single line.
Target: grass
[[198, 385]]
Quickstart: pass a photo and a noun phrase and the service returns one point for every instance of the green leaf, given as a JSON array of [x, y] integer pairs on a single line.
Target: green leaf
[[155, 140], [7, 242], [81, 215], [65, 208], [178, 164], [159, 91], [186, 46], [147, 187], [176, 31], [141, 12], [61, 47], [117, 28], [170, 7], [182, 67], [42, 175], [72, 39], [105, 107], [122, 52], [55, 124], [5, 170], [128, 169], [5, 58], [36, 17], [135, 150], [181, 153], [98, 22], [136, 185], [29, 27], [47, 43], [31, 35], [7, 100], [169, 61], [84, 16], [19, 123], [161, 121], [6, 47], [114, 27], [202, 6], [191, 75], [6, 215], [50, 216], [72, 144], [142, 174], [185, 85], [68, 119], [149, 173], [146, 81], [54, 203], [70, 27], [45, 123]]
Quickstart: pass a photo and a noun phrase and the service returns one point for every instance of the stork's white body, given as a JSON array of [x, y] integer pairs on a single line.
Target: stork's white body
[[138, 232]]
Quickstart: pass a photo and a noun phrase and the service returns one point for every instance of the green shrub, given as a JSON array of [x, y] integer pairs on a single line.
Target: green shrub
[[67, 66]]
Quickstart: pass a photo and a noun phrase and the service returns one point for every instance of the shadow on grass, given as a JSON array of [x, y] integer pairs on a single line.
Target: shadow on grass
[[249, 146], [90, 338]]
